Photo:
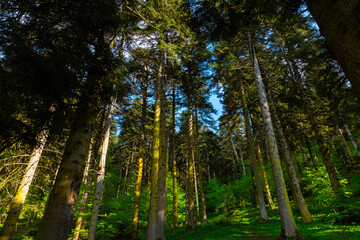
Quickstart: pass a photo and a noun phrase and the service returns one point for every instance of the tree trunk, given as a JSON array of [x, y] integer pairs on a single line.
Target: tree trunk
[[251, 142], [339, 23], [151, 229], [288, 226], [263, 173], [174, 175], [23, 189], [101, 174], [200, 169], [329, 164], [191, 221], [160, 220], [352, 140], [140, 165], [345, 147], [87, 183], [298, 196], [59, 212]]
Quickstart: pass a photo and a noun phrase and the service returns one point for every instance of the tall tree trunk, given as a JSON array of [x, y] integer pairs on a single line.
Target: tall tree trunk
[[191, 188], [160, 220], [101, 174], [87, 185], [263, 173], [251, 142], [329, 164], [59, 212], [339, 23], [298, 196], [23, 189], [200, 169], [352, 140], [173, 148], [140, 164], [288, 226], [151, 229], [345, 147], [237, 157]]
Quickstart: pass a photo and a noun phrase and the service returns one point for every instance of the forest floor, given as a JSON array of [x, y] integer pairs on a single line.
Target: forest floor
[[242, 224], [248, 225]]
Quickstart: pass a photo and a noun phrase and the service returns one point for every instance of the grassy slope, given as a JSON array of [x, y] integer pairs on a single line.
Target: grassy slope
[[248, 225]]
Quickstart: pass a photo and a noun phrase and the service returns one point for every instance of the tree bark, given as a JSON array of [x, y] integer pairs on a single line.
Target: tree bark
[[352, 140], [200, 169], [288, 226], [329, 164], [160, 219], [59, 212], [174, 174], [339, 23], [298, 196], [85, 195], [263, 173], [151, 229], [251, 142], [101, 174], [140, 165], [23, 189], [191, 188]]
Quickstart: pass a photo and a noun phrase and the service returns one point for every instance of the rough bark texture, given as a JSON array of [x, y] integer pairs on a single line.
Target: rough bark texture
[[160, 219], [151, 229], [329, 164], [140, 166], [288, 226], [251, 142], [298, 196], [20, 196], [59, 212], [101, 174], [85, 195], [339, 22], [191, 187]]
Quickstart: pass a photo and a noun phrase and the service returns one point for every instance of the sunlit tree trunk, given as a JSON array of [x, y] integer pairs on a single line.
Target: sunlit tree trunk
[[101, 173], [59, 212], [251, 142], [191, 187], [23, 189], [151, 229], [329, 164], [160, 220], [237, 157], [263, 173], [288, 226], [352, 140], [298, 196], [140, 164]]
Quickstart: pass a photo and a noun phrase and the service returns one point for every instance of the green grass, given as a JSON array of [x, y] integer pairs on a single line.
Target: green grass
[[248, 225], [243, 224]]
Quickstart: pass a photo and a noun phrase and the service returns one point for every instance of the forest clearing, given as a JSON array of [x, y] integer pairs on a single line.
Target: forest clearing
[[179, 119]]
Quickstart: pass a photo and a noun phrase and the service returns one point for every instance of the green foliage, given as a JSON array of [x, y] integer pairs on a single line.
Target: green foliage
[[341, 208], [226, 198]]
